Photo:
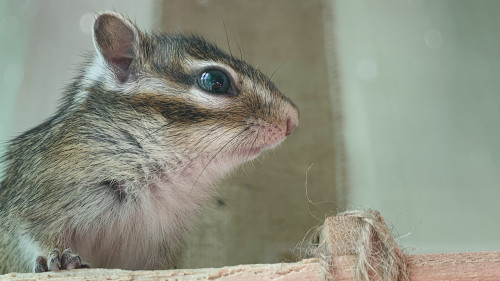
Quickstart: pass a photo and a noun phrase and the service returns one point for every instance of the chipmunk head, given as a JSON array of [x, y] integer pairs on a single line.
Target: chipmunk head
[[190, 98]]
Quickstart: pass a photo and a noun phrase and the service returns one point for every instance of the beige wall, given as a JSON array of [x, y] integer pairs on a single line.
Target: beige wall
[[266, 212], [420, 84]]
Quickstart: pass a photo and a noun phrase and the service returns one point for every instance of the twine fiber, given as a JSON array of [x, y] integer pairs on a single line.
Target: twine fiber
[[363, 234]]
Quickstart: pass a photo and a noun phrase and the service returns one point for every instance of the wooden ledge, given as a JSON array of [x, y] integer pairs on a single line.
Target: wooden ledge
[[484, 266], [306, 270]]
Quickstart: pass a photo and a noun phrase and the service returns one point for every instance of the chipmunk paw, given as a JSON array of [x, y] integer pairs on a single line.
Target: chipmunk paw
[[56, 261]]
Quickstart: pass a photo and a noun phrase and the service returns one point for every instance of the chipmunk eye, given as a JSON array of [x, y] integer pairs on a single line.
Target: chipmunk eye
[[214, 81]]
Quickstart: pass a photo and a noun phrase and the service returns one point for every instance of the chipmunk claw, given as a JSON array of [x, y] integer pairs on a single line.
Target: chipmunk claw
[[56, 261]]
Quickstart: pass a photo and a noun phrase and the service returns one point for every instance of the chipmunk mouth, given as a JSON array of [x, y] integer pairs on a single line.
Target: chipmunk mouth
[[250, 152], [254, 140]]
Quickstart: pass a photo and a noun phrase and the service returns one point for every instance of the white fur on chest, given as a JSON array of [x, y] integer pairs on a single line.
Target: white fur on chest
[[144, 233]]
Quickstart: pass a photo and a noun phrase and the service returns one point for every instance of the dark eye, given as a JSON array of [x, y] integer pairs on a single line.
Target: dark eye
[[214, 81]]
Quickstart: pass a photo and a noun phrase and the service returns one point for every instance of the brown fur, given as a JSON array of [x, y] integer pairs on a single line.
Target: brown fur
[[126, 163]]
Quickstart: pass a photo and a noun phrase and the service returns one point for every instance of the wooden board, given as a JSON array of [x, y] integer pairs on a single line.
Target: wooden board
[[305, 270], [455, 266], [483, 266]]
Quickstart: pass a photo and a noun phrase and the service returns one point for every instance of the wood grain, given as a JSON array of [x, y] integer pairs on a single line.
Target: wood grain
[[455, 266], [305, 270], [484, 266]]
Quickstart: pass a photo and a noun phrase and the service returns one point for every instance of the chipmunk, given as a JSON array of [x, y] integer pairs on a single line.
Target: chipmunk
[[116, 177]]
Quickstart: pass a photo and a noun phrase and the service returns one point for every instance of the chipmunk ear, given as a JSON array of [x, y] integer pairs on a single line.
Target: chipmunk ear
[[116, 40]]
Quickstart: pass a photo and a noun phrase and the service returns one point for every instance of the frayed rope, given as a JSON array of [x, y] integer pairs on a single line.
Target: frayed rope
[[364, 235]]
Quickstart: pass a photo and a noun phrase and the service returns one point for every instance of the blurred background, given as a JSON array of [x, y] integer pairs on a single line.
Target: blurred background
[[399, 104]]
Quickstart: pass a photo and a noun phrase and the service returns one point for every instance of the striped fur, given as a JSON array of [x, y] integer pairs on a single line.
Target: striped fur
[[130, 157]]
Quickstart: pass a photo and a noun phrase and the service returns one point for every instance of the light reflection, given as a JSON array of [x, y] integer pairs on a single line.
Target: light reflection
[[433, 39], [86, 22]]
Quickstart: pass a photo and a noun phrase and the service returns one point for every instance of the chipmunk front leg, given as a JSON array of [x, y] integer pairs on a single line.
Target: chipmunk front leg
[[55, 261]]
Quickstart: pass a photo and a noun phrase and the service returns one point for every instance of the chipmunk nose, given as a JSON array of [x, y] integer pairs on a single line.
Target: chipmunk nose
[[292, 121]]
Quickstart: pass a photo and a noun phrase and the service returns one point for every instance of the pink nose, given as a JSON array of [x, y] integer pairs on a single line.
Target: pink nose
[[292, 122]]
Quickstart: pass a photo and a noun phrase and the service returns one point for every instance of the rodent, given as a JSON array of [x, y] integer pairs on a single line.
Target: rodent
[[117, 175]]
